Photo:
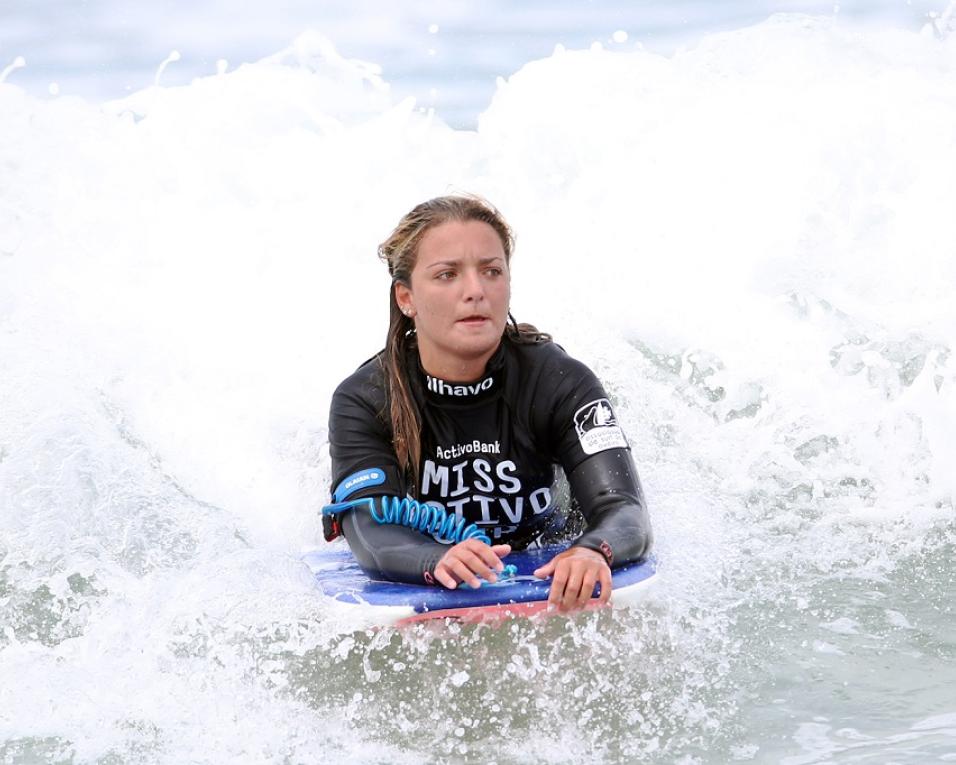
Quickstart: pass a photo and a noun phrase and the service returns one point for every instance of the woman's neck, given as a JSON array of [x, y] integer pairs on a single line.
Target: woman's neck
[[454, 369]]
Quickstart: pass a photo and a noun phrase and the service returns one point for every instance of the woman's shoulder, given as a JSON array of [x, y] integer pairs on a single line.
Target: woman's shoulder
[[543, 355], [367, 383], [546, 372]]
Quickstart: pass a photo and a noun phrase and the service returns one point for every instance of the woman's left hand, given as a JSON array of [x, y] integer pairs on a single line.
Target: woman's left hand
[[575, 572]]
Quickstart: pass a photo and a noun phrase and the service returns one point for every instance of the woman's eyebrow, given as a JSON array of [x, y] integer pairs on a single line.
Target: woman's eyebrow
[[481, 262], [444, 264], [457, 262]]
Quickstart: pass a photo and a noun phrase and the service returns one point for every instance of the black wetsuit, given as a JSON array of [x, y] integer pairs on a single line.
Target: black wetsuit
[[488, 451]]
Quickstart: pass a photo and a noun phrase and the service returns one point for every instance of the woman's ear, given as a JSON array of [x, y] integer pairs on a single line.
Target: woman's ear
[[403, 296]]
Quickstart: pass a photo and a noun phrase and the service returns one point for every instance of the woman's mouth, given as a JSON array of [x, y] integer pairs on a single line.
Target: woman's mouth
[[473, 320]]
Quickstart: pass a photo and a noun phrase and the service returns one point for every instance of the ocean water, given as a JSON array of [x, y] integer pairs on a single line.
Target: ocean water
[[748, 236], [447, 55]]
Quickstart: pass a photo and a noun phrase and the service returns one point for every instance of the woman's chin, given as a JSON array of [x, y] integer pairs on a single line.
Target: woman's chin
[[476, 346]]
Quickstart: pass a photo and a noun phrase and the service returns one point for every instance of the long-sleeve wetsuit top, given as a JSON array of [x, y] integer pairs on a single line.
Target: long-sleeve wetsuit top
[[488, 452]]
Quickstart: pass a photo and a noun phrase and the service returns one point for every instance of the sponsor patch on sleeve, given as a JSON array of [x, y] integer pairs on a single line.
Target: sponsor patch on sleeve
[[359, 480], [597, 427]]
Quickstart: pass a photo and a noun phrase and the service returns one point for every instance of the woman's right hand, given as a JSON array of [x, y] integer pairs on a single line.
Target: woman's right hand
[[468, 560]]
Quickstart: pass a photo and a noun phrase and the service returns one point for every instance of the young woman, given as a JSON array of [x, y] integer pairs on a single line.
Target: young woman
[[469, 413]]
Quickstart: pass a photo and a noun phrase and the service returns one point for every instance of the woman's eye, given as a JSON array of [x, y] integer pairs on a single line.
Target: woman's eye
[[445, 275], [494, 271]]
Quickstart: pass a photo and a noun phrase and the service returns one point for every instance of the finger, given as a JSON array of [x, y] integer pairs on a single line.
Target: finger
[[481, 551], [460, 569], [556, 593], [477, 565], [501, 550], [606, 585], [572, 590], [587, 587], [543, 572], [490, 558], [444, 577]]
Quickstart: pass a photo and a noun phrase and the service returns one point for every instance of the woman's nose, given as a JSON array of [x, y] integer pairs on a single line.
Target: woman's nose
[[473, 288]]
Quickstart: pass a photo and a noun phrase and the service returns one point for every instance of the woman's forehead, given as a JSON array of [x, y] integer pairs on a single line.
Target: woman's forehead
[[457, 241]]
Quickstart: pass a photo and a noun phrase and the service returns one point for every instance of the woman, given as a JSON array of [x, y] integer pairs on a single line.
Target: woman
[[469, 413]]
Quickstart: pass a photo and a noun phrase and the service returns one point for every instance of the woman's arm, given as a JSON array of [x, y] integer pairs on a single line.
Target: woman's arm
[[364, 466], [619, 531], [400, 554], [609, 494], [386, 551], [577, 418]]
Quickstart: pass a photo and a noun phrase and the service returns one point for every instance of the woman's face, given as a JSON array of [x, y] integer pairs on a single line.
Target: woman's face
[[459, 296]]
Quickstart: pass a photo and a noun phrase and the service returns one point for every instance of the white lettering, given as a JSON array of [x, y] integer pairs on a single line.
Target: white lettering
[[437, 385], [460, 479], [474, 447], [484, 492], [513, 515], [457, 506], [433, 473], [483, 472], [540, 500], [485, 503], [510, 484], [513, 510]]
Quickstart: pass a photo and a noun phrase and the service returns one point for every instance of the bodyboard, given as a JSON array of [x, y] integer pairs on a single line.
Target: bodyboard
[[391, 603]]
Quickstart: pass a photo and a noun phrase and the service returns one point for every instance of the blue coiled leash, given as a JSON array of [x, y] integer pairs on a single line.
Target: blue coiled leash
[[420, 516]]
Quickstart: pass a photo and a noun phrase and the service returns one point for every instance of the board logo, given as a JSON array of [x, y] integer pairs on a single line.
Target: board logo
[[597, 427]]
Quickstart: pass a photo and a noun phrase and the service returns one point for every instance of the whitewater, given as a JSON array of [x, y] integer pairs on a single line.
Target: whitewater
[[750, 240]]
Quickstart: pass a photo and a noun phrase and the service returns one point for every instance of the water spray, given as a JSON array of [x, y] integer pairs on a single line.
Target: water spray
[[948, 20], [173, 56], [940, 25], [18, 63]]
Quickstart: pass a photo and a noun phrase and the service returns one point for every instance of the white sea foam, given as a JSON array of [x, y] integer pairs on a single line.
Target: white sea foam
[[750, 241]]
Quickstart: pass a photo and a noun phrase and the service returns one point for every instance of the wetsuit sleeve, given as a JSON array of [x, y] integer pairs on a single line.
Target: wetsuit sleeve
[[363, 459], [395, 553], [596, 458], [364, 465], [609, 494]]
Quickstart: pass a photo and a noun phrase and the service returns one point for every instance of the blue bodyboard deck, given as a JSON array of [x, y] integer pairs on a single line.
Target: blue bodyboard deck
[[341, 579]]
